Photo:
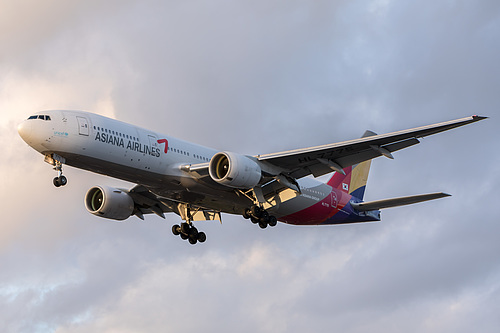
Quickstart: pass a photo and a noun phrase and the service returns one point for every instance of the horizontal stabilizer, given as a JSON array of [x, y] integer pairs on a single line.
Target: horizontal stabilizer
[[401, 201]]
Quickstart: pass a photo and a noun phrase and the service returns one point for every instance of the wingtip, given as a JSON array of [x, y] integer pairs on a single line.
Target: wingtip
[[478, 117]]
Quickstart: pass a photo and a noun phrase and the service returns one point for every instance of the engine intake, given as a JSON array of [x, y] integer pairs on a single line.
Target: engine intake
[[108, 202], [235, 170]]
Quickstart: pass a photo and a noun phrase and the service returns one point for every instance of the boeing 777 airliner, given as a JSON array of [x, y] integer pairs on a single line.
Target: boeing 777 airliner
[[200, 183]]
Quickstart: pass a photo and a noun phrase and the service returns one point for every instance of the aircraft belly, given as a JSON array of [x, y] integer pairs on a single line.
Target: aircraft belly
[[310, 207], [173, 186]]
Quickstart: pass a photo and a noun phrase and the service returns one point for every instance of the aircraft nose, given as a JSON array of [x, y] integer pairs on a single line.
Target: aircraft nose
[[25, 130]]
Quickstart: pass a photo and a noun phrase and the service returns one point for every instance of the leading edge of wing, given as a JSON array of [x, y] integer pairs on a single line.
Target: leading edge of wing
[[378, 140]]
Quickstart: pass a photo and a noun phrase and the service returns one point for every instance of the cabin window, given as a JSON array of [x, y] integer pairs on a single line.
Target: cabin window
[[32, 117]]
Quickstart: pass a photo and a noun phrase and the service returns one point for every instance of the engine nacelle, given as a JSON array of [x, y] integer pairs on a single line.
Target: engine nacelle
[[234, 170], [108, 202]]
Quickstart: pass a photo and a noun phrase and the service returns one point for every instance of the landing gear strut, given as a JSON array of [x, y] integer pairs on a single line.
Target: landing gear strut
[[187, 230], [60, 180], [260, 216]]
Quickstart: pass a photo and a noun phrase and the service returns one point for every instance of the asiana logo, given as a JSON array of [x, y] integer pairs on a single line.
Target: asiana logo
[[131, 145]]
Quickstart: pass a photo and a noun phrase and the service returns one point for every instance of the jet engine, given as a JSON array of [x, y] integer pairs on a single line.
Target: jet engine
[[234, 170], [108, 202]]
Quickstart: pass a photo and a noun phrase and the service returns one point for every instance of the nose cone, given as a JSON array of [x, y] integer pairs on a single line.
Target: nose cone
[[25, 130]]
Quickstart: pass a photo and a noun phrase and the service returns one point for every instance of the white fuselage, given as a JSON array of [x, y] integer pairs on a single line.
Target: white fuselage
[[117, 149]]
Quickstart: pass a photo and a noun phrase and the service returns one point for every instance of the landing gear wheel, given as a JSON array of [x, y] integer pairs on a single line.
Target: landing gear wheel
[[193, 233], [176, 229], [256, 211], [202, 237], [189, 232], [260, 216], [247, 214], [265, 216], [272, 221], [56, 182], [185, 228], [60, 181]]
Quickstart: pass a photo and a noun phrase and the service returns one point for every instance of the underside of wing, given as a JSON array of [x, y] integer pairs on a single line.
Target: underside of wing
[[146, 202]]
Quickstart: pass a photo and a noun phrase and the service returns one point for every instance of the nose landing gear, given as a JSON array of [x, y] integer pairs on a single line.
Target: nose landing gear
[[57, 161], [60, 180]]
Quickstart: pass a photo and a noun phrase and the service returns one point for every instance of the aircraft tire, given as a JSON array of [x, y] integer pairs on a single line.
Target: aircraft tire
[[272, 221], [56, 182], [247, 214], [262, 225], [256, 211], [202, 237], [265, 216], [176, 229], [254, 220], [185, 228], [193, 232], [184, 236], [63, 180], [193, 240]]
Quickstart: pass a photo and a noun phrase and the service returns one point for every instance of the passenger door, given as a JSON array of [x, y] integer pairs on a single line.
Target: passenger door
[[83, 126]]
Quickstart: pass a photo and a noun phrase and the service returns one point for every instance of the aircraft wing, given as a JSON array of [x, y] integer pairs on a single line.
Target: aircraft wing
[[324, 159]]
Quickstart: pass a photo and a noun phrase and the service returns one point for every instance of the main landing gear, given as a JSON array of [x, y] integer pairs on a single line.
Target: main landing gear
[[60, 180], [260, 216], [187, 231]]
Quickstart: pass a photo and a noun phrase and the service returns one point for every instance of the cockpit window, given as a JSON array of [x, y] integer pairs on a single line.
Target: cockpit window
[[43, 117]]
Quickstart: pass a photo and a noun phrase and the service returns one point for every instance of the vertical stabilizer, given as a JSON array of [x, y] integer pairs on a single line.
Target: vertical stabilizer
[[354, 180]]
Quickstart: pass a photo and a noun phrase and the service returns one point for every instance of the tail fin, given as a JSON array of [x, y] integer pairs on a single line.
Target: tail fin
[[354, 180]]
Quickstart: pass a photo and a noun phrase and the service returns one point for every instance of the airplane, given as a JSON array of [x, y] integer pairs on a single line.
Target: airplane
[[199, 183]]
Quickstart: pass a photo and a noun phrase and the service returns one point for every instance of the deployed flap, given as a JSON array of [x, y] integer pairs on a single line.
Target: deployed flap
[[146, 202], [401, 201]]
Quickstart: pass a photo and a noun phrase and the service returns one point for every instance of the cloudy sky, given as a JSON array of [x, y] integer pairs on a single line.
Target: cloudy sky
[[256, 77]]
